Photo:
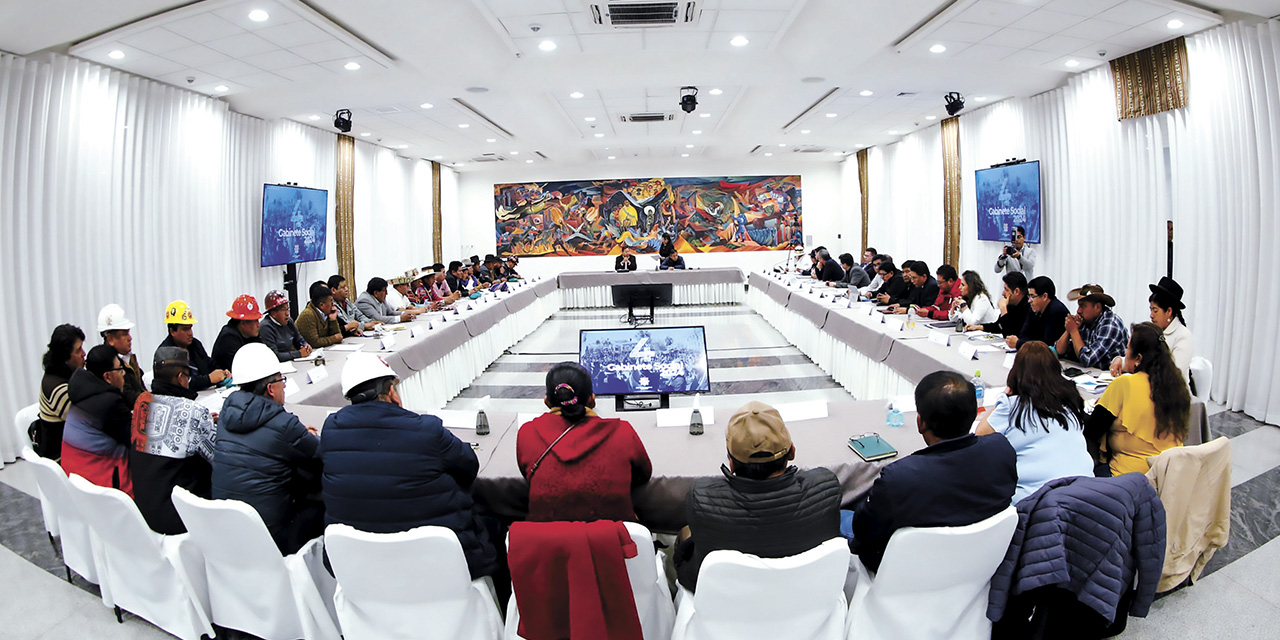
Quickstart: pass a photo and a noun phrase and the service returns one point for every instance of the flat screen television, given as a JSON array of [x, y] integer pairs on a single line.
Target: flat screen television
[[1008, 197], [645, 361], [293, 224]]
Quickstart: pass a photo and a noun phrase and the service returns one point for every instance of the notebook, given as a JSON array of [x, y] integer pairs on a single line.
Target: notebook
[[872, 447]]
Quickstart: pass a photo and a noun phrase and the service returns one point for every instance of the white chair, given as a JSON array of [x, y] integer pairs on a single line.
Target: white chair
[[156, 577], [1202, 373], [148, 378], [412, 585], [648, 586], [933, 582], [73, 532], [800, 597], [13, 442], [46, 507], [252, 588]]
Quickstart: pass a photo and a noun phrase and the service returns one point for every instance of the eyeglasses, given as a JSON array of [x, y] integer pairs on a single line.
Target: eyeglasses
[[277, 380]]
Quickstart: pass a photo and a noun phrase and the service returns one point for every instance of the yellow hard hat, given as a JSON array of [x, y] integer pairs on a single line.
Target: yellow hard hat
[[178, 313]]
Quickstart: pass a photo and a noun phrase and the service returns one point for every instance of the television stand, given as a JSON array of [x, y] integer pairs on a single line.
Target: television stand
[[642, 401]]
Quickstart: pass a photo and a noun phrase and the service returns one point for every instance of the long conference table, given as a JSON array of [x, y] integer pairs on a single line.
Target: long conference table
[[439, 354]]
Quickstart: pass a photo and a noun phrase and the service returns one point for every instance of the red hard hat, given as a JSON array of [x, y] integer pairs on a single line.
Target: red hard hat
[[245, 308], [276, 298]]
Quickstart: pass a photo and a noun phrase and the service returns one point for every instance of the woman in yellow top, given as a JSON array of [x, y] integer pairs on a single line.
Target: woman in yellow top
[[1144, 411]]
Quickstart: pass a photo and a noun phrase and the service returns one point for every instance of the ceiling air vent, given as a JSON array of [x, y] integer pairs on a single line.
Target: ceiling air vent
[[647, 117], [809, 149], [489, 157], [641, 13], [386, 110], [906, 94]]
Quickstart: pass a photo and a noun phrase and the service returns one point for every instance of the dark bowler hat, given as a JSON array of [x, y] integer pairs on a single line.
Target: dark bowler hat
[[1169, 288]]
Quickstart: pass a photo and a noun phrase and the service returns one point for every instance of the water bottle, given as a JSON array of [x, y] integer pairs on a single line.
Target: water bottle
[[695, 423], [979, 388], [894, 417], [482, 423]]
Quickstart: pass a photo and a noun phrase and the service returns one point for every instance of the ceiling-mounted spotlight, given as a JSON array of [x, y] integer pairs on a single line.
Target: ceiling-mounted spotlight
[[955, 102], [342, 120], [688, 99]]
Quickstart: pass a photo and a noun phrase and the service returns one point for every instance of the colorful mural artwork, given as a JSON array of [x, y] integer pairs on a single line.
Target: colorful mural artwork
[[600, 217]]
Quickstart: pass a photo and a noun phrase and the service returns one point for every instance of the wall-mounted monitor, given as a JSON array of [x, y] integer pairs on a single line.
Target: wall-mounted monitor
[[1008, 196], [293, 224]]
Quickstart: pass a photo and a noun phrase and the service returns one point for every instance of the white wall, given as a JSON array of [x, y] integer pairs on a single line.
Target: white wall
[[822, 206]]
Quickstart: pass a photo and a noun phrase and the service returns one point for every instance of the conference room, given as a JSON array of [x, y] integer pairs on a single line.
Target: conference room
[[838, 211]]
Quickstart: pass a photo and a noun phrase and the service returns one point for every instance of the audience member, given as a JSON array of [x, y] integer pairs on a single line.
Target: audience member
[[373, 304], [973, 307], [388, 469], [114, 327], [761, 505], [354, 322], [1017, 256], [181, 321], [1166, 313], [264, 456], [868, 262], [958, 479], [579, 466], [892, 284], [1096, 334], [854, 277], [948, 290], [1048, 317], [673, 261], [318, 323], [173, 442], [1144, 411], [828, 270], [1014, 307], [95, 438], [1041, 415], [242, 328], [626, 261], [279, 332], [63, 358]]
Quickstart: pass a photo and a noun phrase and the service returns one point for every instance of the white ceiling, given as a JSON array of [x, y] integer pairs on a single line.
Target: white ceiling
[[794, 90]]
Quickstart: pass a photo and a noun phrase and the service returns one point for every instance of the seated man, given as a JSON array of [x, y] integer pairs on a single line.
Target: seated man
[[1014, 307], [923, 291], [318, 323], [487, 272], [948, 290], [762, 505], [957, 479], [1095, 336], [469, 281], [354, 322], [95, 439], [180, 320], [279, 332], [673, 261], [868, 262], [893, 286], [114, 327], [373, 303], [438, 291], [241, 329], [511, 262], [626, 261], [828, 270], [1048, 317], [456, 280], [873, 288], [173, 442], [264, 456], [388, 469], [854, 277], [399, 297]]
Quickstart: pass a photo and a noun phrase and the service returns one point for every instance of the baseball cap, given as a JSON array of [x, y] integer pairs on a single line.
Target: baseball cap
[[756, 433]]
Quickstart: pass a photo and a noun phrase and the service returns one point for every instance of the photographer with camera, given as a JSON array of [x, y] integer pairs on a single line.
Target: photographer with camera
[[1017, 256]]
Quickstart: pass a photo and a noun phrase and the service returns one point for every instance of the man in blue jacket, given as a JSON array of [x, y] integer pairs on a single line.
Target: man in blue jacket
[[958, 479], [388, 469]]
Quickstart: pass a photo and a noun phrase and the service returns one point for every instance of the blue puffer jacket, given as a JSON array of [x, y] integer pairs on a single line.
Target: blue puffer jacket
[[259, 447], [388, 469], [1089, 536]]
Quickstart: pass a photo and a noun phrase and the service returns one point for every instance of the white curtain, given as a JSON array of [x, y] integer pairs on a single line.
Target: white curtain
[[1226, 171], [905, 181], [987, 136], [392, 214]]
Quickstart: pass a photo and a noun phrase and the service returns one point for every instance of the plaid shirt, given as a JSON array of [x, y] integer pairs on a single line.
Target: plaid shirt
[[1104, 339]]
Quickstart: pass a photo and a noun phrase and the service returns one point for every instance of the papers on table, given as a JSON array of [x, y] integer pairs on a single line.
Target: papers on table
[[287, 368], [346, 347], [1090, 384], [318, 353], [457, 418], [214, 401]]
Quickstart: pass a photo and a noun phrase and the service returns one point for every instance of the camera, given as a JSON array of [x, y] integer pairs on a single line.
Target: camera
[[1009, 250]]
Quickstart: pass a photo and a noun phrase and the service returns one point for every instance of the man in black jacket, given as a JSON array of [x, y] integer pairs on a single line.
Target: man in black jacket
[[1013, 307], [828, 270], [958, 479], [924, 287], [626, 261], [893, 286], [1048, 317], [454, 278], [181, 320], [241, 329], [762, 505]]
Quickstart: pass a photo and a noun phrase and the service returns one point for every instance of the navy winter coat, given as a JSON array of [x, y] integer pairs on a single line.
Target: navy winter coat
[[1088, 536], [388, 469]]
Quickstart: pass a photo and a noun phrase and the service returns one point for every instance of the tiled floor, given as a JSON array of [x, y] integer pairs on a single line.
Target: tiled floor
[[1238, 598]]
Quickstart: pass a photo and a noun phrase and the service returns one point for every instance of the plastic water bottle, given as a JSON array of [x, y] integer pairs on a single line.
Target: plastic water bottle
[[894, 417], [979, 388]]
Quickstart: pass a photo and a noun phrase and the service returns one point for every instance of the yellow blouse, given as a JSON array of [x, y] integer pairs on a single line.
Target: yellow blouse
[[1134, 439]]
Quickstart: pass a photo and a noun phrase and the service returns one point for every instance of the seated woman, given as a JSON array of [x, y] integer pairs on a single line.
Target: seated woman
[[1143, 412], [1166, 313], [64, 357], [1042, 417], [579, 466], [974, 306]]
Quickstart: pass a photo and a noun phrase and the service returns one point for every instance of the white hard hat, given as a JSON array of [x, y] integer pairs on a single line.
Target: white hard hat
[[254, 361], [112, 318], [361, 368]]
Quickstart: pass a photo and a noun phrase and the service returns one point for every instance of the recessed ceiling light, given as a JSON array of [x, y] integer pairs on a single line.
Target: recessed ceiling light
[[804, 131], [490, 139], [1174, 24], [116, 54], [314, 118], [402, 146], [590, 119], [547, 45], [768, 153], [931, 117], [704, 115], [258, 15], [684, 155], [1073, 63], [220, 88], [837, 153], [893, 132], [697, 132], [364, 134], [426, 105], [436, 157], [575, 95], [866, 92], [937, 48], [739, 41], [351, 66], [981, 98], [613, 157], [782, 144], [459, 164], [515, 153], [831, 115], [463, 126], [715, 92], [860, 146], [688, 146], [530, 161], [599, 135]]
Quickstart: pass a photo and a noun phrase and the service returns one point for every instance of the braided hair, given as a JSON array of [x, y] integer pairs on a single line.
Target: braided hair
[[569, 389]]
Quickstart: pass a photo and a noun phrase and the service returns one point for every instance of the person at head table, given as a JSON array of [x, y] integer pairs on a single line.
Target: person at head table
[[673, 261], [626, 261]]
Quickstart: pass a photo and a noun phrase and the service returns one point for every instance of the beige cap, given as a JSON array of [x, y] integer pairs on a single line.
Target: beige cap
[[757, 428]]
